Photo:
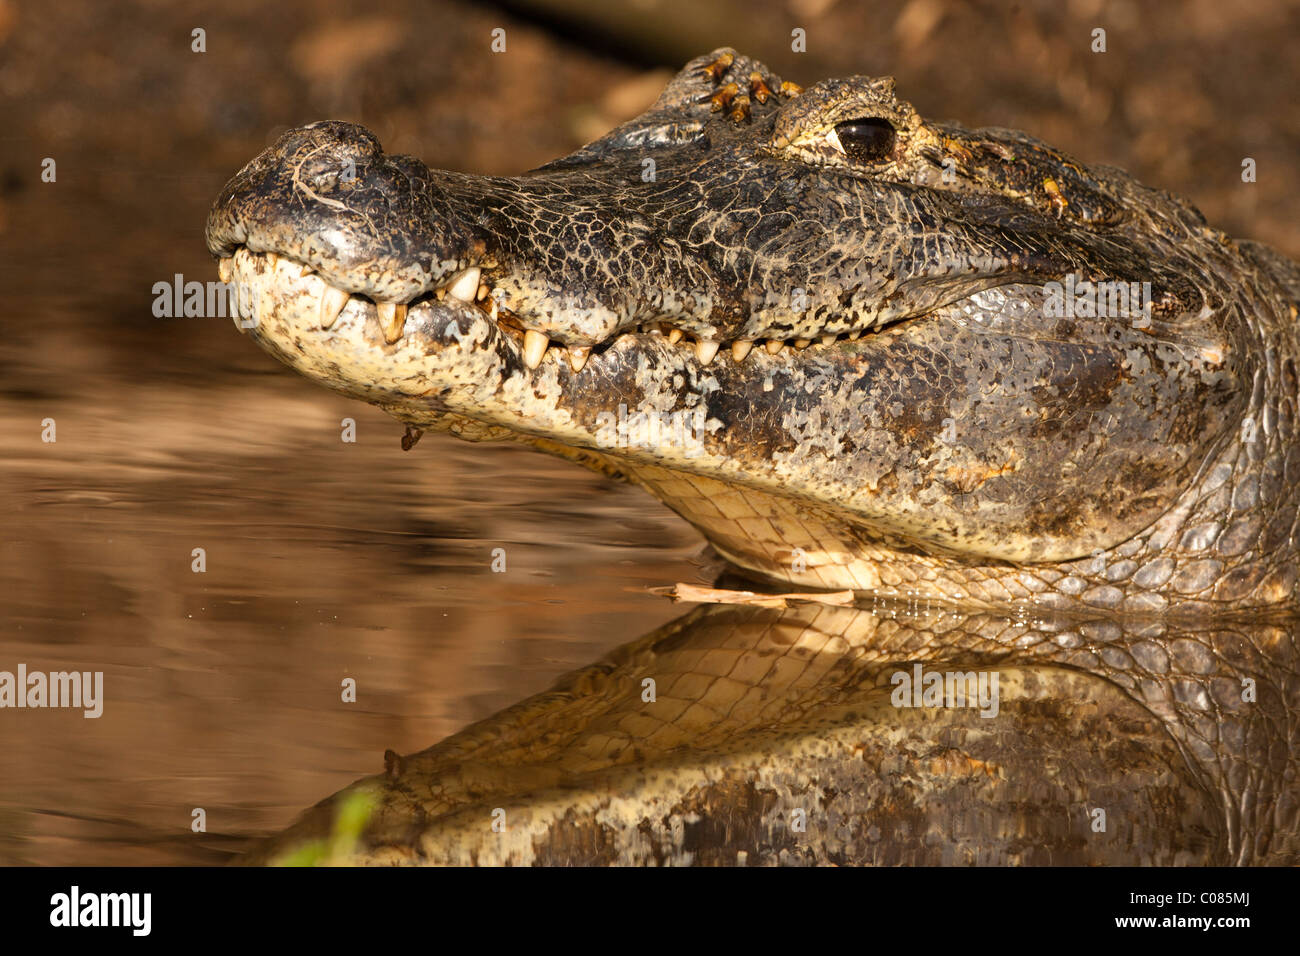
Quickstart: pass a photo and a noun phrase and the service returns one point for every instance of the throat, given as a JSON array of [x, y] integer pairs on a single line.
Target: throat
[[801, 545], [798, 543]]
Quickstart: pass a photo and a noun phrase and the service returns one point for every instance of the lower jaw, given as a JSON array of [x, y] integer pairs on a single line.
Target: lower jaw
[[762, 533]]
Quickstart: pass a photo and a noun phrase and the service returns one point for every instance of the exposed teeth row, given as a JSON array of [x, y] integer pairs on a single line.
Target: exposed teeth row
[[467, 286], [536, 345], [392, 315]]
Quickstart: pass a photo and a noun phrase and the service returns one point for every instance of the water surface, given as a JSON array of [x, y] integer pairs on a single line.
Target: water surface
[[325, 560]]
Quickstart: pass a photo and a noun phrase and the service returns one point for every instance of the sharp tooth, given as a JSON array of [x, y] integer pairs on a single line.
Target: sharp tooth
[[829, 339], [465, 285], [272, 261], [705, 349], [802, 343], [855, 335], [225, 268], [675, 336], [392, 318], [483, 291], [534, 347], [305, 270], [331, 304], [773, 346], [578, 355], [740, 348]]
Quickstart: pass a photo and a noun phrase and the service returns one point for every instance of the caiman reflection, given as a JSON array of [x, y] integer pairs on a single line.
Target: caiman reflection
[[773, 737]]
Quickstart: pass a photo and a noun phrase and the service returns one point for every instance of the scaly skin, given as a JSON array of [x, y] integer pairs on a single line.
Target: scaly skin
[[965, 447], [760, 712]]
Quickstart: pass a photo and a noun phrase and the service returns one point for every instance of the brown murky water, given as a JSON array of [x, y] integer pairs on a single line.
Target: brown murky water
[[326, 559]]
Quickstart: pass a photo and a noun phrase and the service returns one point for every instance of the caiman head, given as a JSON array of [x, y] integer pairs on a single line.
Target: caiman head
[[853, 347]]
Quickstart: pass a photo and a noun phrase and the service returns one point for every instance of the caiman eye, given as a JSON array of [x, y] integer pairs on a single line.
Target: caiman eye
[[866, 140]]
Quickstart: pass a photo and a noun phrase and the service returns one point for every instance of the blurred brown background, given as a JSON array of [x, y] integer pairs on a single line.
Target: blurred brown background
[[329, 560]]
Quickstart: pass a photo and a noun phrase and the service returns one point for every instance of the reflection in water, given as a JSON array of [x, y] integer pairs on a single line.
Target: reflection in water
[[324, 561], [773, 736]]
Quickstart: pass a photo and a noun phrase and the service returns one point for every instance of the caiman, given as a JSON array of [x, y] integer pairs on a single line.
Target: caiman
[[856, 349]]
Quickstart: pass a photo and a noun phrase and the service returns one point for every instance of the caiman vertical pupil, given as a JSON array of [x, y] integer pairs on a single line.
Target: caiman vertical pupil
[[866, 140]]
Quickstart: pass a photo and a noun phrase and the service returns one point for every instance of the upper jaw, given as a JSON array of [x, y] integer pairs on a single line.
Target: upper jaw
[[389, 229], [469, 294], [463, 306]]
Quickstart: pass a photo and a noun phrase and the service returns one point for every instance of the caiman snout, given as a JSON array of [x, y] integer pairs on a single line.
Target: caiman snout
[[326, 195]]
